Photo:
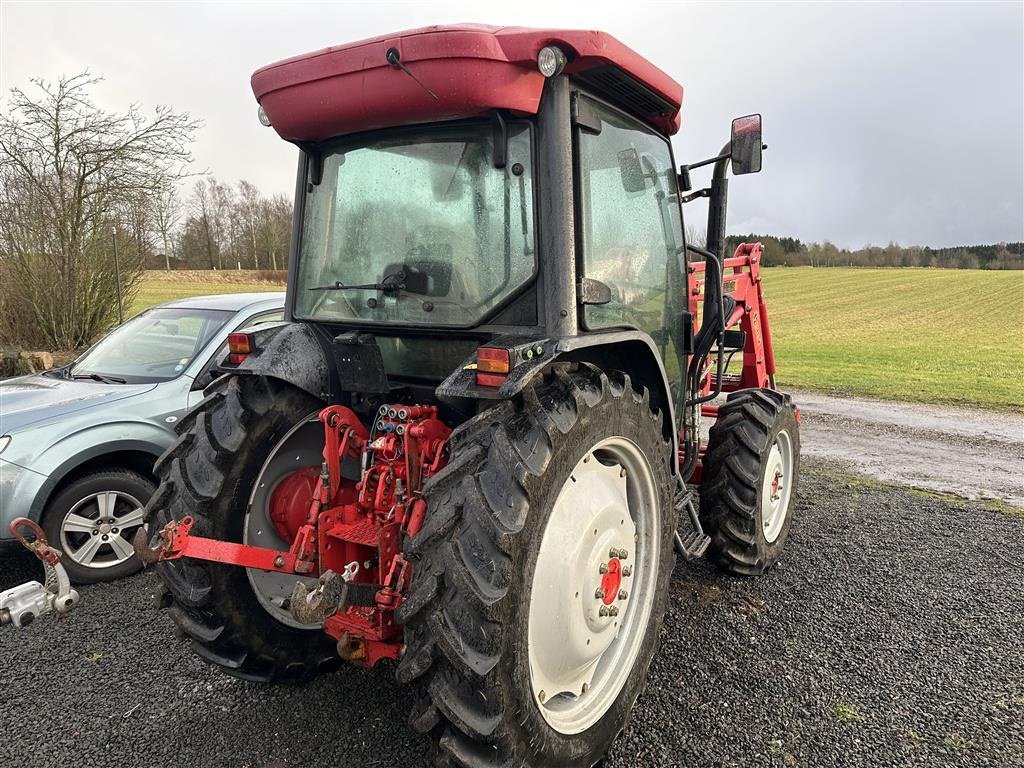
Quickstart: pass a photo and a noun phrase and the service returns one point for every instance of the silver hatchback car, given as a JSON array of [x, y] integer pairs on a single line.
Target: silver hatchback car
[[77, 444]]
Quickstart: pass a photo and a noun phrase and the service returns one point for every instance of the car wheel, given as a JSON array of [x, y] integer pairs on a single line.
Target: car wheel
[[92, 521]]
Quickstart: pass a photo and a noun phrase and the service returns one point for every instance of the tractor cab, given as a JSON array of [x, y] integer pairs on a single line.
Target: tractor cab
[[487, 182]]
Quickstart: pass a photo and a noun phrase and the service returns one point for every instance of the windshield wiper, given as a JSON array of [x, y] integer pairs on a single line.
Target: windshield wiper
[[100, 377], [391, 283]]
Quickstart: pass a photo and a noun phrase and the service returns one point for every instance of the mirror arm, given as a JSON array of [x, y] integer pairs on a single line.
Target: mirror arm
[[726, 154], [706, 192]]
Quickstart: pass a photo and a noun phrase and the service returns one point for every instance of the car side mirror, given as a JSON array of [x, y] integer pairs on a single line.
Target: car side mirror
[[631, 171], [210, 372], [205, 378], [745, 145]]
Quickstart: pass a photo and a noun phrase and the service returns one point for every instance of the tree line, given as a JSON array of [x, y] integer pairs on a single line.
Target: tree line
[[791, 252], [223, 227]]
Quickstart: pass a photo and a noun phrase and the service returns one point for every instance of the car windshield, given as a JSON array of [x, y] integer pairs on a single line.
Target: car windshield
[[154, 346], [419, 228]]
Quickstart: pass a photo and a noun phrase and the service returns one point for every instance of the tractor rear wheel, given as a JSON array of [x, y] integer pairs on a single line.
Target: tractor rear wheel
[[226, 447], [541, 575], [748, 486]]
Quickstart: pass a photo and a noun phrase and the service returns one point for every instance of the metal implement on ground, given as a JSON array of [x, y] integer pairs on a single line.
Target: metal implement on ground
[[23, 604]]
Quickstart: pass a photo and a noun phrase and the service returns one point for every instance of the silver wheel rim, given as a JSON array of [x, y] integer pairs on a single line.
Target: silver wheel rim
[[581, 657], [302, 446], [97, 531], [776, 487]]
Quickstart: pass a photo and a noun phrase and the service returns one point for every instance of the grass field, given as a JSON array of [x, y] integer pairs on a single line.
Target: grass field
[[927, 335], [158, 287]]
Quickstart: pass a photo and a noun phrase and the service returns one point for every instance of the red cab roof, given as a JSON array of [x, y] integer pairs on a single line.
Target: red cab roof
[[471, 69]]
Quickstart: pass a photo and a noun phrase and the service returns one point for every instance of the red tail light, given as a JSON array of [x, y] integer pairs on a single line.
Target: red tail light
[[492, 366]]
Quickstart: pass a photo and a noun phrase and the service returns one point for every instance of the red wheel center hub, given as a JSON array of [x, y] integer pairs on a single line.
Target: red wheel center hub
[[611, 581], [290, 501]]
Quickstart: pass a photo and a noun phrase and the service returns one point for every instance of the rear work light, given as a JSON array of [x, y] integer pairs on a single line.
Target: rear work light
[[492, 366], [239, 347]]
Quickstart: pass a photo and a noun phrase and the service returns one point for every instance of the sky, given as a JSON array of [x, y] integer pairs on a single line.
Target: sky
[[885, 122]]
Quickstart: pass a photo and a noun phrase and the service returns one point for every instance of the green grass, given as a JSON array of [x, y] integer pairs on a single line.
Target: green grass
[[158, 287], [927, 335], [847, 713]]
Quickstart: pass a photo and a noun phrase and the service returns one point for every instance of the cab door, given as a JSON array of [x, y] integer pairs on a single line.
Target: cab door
[[630, 228]]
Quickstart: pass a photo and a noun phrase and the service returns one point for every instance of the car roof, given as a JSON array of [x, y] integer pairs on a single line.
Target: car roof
[[234, 302]]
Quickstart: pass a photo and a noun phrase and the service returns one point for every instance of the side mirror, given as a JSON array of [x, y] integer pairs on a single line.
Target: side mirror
[[745, 145], [205, 378], [631, 171]]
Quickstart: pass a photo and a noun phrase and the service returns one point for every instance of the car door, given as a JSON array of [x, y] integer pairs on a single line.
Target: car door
[[209, 370]]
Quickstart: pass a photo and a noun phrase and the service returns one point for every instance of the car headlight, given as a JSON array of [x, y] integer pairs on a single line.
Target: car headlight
[[4, 442]]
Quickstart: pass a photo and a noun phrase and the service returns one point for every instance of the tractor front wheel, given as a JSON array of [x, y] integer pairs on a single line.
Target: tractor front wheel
[[748, 486], [541, 575]]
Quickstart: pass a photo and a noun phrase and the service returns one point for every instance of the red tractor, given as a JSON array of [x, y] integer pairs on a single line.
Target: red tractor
[[466, 451]]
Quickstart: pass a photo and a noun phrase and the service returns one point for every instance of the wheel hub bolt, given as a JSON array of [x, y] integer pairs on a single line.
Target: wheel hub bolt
[[623, 594], [105, 537], [599, 594], [613, 611], [602, 568], [627, 570], [619, 553], [604, 611]]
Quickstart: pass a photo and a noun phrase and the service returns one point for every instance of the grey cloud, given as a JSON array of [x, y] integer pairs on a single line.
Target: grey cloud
[[885, 121]]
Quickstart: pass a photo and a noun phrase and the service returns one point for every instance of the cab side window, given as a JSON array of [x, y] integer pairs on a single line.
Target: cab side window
[[632, 238]]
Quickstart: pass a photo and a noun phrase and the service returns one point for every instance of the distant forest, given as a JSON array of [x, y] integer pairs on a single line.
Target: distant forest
[[791, 252]]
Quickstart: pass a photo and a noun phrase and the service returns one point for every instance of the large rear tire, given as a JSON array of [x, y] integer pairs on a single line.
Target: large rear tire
[[209, 474], [748, 487], [504, 584]]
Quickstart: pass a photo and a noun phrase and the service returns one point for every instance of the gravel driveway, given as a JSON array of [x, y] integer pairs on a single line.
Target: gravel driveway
[[890, 635], [969, 452]]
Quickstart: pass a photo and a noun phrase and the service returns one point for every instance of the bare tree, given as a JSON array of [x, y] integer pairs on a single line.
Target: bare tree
[[277, 225], [201, 206], [166, 215], [65, 166], [221, 202], [249, 212]]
